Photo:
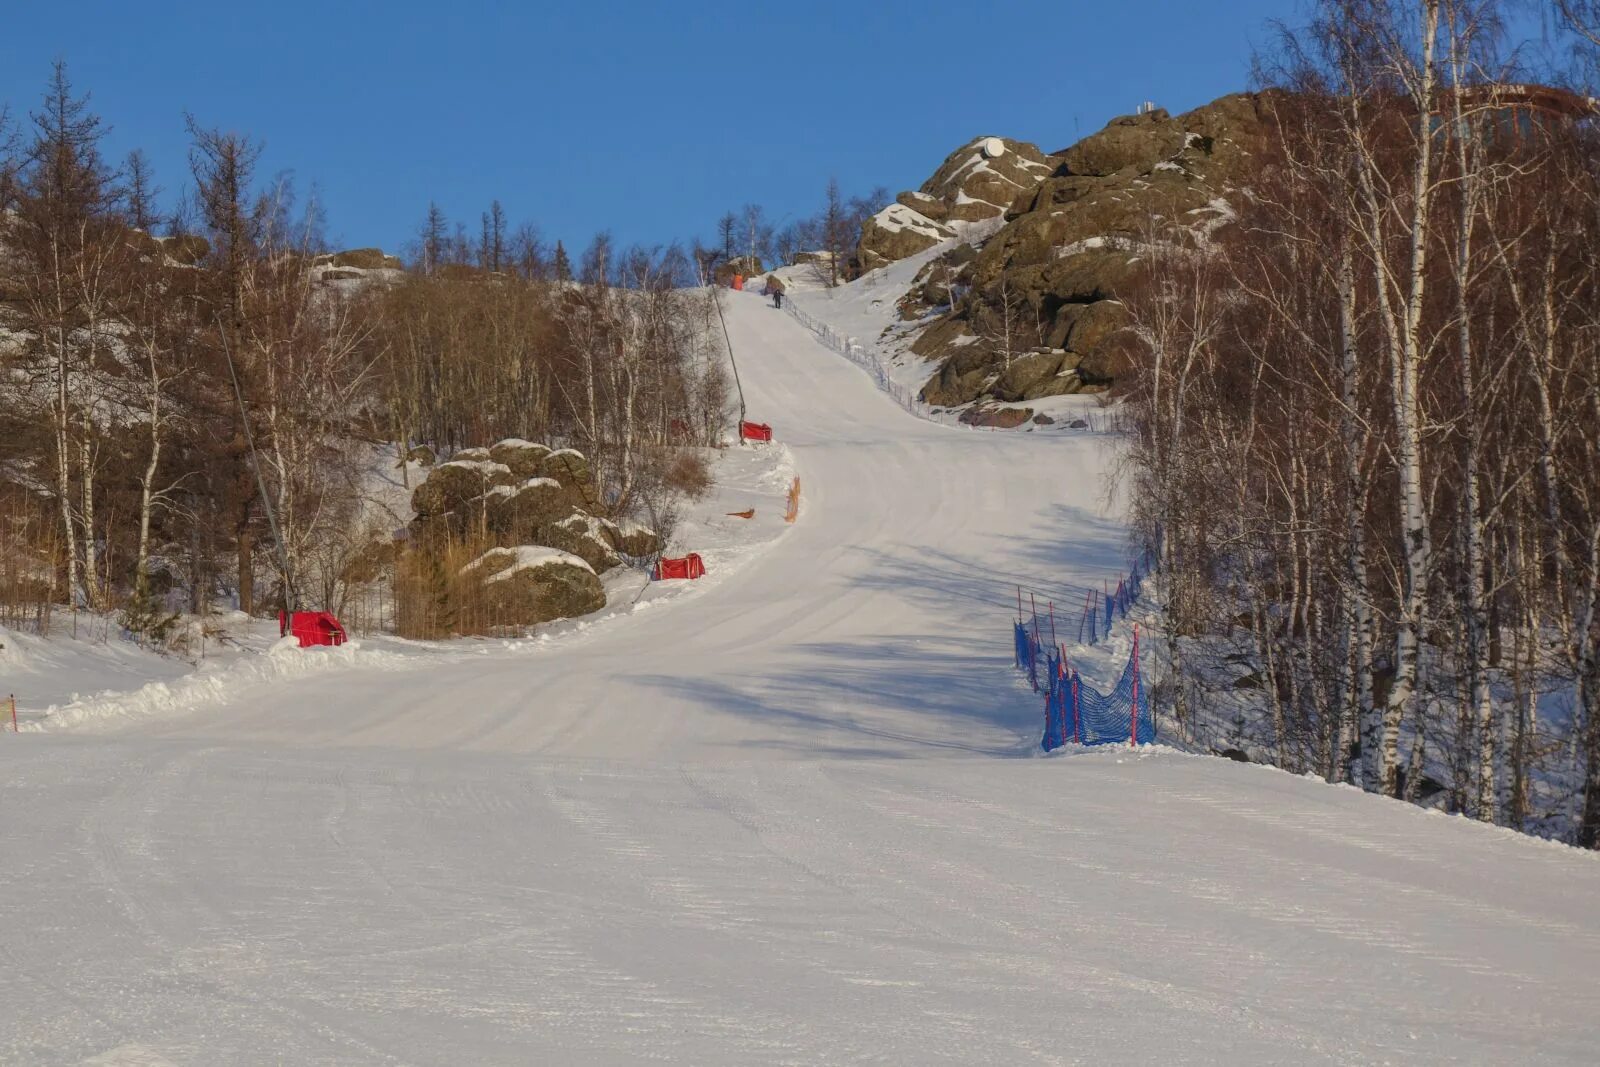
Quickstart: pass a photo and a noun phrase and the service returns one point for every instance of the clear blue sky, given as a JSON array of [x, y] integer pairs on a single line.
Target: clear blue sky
[[647, 118]]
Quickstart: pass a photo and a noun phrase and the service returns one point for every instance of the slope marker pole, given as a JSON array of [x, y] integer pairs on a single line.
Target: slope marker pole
[[1133, 721]]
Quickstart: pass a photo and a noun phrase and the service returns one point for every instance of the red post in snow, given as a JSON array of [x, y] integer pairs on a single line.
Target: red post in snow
[[14, 727], [1033, 606], [1133, 721], [1053, 640], [1077, 718], [1061, 674]]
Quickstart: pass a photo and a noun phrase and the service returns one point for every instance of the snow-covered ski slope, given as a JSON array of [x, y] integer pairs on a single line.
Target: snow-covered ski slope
[[778, 821]]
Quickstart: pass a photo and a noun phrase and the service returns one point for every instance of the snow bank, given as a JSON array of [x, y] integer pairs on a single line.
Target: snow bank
[[214, 684]]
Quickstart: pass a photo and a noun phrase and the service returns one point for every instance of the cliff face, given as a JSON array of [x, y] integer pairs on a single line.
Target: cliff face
[[1032, 310], [973, 188]]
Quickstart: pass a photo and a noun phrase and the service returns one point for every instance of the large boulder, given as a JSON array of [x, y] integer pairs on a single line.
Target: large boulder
[[523, 457], [1136, 142], [979, 180], [584, 536], [961, 378], [1033, 375], [365, 259], [530, 584], [569, 467], [516, 513], [633, 539], [896, 233], [452, 487], [975, 184], [996, 418]]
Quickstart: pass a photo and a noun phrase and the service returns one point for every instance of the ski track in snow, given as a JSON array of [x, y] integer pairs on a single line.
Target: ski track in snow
[[779, 821]]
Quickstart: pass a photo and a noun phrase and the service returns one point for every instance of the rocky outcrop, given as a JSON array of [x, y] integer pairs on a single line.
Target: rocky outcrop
[[186, 249], [537, 508], [365, 259], [1132, 142], [982, 179], [975, 184], [524, 458], [895, 233], [1072, 243]]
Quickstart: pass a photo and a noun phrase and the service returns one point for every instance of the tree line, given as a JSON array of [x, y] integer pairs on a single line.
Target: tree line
[[1368, 424], [164, 378], [830, 235]]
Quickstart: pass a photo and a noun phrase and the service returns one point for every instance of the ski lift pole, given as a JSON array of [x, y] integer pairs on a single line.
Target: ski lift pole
[[716, 298], [255, 463]]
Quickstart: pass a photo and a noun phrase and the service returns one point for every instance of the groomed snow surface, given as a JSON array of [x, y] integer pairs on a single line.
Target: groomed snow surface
[[792, 816]]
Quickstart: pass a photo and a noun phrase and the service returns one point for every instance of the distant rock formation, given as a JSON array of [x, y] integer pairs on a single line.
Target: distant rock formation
[[1068, 245], [976, 184]]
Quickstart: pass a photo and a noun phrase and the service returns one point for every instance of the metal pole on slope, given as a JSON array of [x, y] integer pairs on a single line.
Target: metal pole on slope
[[261, 484], [716, 298]]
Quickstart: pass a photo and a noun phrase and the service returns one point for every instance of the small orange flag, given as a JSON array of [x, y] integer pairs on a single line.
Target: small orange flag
[[794, 502]]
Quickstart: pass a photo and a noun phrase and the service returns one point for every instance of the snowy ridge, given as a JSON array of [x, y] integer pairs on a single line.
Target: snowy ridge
[[215, 685]]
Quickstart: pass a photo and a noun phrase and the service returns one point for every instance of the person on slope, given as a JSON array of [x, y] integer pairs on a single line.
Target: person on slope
[[775, 287]]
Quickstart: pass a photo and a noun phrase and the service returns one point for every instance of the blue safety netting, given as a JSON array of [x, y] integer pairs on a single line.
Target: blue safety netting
[[1100, 611], [1076, 712]]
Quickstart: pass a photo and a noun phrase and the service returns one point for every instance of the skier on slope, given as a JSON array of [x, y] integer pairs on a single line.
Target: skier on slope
[[775, 287]]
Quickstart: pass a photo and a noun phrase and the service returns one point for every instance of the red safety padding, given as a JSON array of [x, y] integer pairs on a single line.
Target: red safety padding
[[755, 431], [312, 628], [689, 566]]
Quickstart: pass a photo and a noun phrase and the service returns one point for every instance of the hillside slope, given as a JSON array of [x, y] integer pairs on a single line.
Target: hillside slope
[[769, 823]]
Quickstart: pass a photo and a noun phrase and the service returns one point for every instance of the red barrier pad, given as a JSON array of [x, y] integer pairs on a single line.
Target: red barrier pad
[[311, 628], [689, 566]]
